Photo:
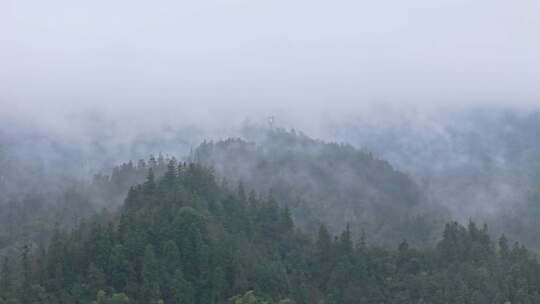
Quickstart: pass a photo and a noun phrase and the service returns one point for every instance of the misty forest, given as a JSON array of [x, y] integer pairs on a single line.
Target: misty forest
[[269, 152]]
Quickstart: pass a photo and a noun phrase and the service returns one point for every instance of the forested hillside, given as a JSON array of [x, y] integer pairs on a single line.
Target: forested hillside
[[183, 238], [319, 182], [269, 152], [280, 218], [327, 183], [33, 213], [480, 163]]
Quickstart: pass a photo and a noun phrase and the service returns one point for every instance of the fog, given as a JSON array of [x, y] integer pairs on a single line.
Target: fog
[[446, 90], [269, 151], [129, 57]]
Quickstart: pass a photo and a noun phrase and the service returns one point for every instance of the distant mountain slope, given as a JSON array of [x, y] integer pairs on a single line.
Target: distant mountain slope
[[479, 163], [183, 238], [325, 182]]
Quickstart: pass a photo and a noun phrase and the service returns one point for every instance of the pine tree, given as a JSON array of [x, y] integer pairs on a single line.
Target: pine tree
[[403, 257], [345, 242], [169, 179], [6, 280], [324, 243], [26, 265], [286, 224], [119, 268], [361, 245], [152, 162], [149, 186], [242, 193], [171, 256], [41, 266], [182, 290], [268, 219], [96, 278], [170, 262], [504, 249], [150, 276]]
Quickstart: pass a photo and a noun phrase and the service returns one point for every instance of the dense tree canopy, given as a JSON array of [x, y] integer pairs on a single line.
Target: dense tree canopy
[[327, 183], [184, 238]]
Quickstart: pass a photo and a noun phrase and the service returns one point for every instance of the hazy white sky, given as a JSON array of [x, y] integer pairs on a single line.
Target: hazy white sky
[[57, 55]]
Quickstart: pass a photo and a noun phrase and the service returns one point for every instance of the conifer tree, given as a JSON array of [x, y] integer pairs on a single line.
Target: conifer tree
[[150, 289], [149, 186], [26, 266], [96, 278], [6, 279]]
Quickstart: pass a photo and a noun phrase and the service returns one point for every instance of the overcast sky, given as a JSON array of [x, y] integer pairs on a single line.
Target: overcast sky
[[59, 55]]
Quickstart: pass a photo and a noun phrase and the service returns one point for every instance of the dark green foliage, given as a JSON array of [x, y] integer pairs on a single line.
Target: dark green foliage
[[325, 182], [150, 291], [95, 278], [26, 263], [183, 239], [6, 278]]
